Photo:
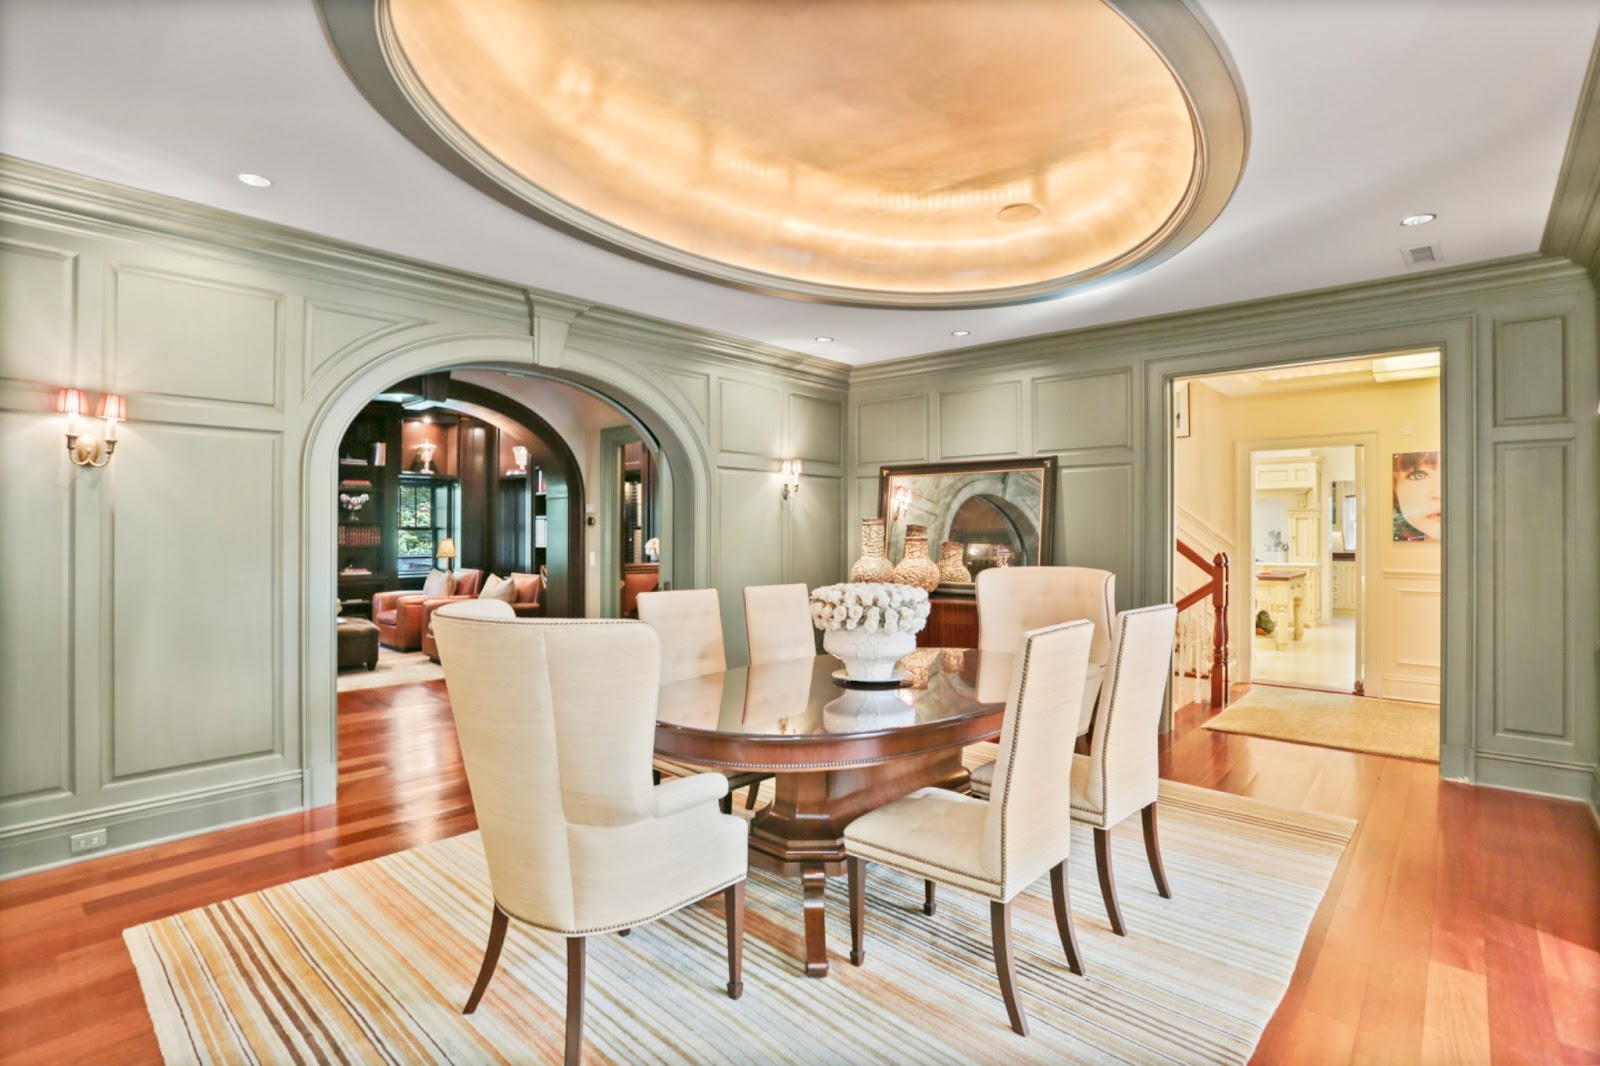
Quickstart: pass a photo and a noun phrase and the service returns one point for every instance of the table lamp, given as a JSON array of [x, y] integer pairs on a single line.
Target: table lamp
[[447, 551]]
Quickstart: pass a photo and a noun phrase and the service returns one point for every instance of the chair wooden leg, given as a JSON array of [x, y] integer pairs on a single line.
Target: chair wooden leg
[[750, 796], [1005, 966], [575, 958], [726, 804], [1063, 901], [624, 932], [655, 776], [927, 898], [1152, 850], [857, 872], [491, 956], [1108, 883], [733, 911]]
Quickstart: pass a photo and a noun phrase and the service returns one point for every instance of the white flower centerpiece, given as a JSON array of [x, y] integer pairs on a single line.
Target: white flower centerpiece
[[869, 626]]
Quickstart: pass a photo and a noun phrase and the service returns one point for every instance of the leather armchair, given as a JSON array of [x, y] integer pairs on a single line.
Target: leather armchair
[[528, 602], [399, 618]]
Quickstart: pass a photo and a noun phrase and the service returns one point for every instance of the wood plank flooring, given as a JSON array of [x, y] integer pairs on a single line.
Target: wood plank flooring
[[1462, 925]]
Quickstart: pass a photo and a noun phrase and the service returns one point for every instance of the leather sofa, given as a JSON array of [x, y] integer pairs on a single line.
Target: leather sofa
[[527, 603]]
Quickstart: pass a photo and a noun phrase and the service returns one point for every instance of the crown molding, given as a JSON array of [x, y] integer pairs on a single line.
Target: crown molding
[[32, 192], [1573, 227], [613, 324], [48, 196], [1317, 312]]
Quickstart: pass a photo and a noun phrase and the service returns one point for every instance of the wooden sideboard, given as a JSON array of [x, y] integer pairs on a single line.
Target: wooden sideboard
[[952, 623]]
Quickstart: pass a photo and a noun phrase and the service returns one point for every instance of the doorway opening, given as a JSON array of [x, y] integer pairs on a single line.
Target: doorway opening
[[1319, 484]]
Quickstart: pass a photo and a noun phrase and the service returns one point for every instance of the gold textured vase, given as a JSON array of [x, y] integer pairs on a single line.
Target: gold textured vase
[[874, 564], [951, 569], [916, 568]]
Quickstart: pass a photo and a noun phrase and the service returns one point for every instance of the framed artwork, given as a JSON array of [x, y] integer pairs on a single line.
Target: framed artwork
[[1180, 409], [1000, 512], [1418, 499]]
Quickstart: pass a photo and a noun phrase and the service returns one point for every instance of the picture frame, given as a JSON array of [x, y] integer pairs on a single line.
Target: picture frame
[[1001, 511], [1180, 409]]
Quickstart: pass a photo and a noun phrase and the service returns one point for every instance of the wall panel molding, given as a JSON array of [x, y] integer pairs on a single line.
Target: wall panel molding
[[192, 337], [204, 542], [981, 421], [38, 330], [1531, 360], [1083, 412]]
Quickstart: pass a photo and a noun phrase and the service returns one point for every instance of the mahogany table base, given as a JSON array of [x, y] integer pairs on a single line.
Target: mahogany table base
[[801, 832]]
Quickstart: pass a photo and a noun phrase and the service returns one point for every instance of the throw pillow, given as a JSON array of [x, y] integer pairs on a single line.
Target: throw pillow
[[439, 583], [497, 588]]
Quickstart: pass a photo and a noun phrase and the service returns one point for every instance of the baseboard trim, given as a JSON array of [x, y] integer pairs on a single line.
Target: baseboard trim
[[1562, 780], [45, 845], [1594, 794]]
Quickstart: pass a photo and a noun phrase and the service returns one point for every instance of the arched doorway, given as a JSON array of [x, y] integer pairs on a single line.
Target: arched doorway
[[685, 490]]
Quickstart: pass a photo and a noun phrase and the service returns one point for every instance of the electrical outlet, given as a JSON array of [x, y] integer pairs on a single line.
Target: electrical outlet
[[92, 840]]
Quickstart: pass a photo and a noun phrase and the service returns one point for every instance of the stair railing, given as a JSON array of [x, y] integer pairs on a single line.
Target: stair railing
[[1192, 619]]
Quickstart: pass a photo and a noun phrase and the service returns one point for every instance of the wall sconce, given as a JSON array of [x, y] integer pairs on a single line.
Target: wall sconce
[[791, 478], [447, 551], [86, 449], [899, 502], [519, 455]]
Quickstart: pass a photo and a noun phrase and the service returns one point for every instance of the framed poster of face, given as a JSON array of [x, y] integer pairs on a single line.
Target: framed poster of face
[[1418, 499]]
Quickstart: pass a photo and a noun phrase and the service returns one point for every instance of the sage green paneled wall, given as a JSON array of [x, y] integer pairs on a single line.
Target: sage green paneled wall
[[1522, 590], [165, 653]]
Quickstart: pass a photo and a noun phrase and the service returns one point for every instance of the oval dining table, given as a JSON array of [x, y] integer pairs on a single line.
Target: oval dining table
[[836, 752]]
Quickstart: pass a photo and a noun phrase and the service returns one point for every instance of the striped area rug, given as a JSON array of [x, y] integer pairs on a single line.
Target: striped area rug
[[371, 963]]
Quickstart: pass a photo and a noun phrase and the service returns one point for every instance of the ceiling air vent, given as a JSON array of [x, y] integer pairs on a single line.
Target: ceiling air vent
[[1423, 255]]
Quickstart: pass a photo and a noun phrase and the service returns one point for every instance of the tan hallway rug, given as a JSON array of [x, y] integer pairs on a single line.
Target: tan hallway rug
[[371, 963], [394, 668], [1334, 720]]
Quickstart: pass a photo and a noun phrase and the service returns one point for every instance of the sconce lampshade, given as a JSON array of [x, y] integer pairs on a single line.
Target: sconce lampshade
[[113, 407], [447, 549], [71, 402]]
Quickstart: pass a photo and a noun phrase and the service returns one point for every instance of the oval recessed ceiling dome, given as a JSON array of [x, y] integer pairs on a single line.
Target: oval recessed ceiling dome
[[901, 153]]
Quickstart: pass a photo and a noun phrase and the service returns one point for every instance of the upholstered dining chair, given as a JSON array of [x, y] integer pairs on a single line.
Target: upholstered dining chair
[[689, 623], [998, 848], [557, 721], [1122, 772], [1015, 599], [777, 623]]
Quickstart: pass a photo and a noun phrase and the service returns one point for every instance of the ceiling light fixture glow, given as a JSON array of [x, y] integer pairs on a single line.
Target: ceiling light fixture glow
[[824, 340], [960, 332], [1405, 367], [255, 181], [1418, 220]]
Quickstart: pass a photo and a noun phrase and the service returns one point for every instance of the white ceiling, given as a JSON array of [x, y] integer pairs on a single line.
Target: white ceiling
[[1363, 111]]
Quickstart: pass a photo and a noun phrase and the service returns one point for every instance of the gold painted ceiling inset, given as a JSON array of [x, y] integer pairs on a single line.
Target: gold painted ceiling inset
[[894, 152]]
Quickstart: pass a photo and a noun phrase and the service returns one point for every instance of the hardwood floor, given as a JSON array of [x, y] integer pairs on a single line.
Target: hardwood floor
[[1448, 899]]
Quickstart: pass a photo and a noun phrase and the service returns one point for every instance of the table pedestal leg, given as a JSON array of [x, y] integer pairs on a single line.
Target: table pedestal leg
[[813, 885], [800, 833]]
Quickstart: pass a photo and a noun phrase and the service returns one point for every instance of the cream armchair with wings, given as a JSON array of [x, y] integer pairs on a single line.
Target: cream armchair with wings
[[557, 722]]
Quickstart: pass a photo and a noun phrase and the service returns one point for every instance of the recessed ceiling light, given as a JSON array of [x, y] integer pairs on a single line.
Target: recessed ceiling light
[[1418, 220], [255, 181], [1018, 213], [824, 340], [960, 332]]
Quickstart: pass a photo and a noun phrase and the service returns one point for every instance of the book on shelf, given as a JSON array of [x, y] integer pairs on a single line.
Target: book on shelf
[[355, 571], [360, 536], [350, 461], [380, 454], [355, 483]]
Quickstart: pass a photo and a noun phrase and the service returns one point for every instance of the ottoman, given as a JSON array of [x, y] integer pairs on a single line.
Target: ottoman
[[358, 643]]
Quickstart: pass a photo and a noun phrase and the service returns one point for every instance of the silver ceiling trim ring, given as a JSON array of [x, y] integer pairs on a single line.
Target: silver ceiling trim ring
[[362, 37]]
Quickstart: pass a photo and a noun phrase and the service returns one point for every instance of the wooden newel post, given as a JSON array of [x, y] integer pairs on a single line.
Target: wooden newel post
[[1219, 632]]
